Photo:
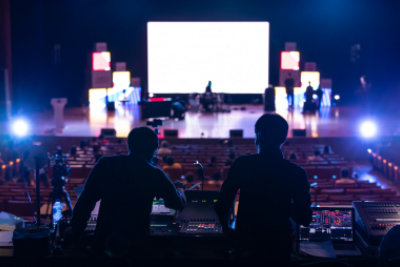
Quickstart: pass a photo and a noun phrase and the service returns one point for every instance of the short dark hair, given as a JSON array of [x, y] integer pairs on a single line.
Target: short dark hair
[[142, 140], [271, 130]]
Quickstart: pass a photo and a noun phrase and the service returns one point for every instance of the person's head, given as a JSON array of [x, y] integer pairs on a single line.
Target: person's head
[[213, 159], [271, 131], [143, 141], [209, 83], [189, 177], [345, 173], [164, 144], [216, 176], [170, 161]]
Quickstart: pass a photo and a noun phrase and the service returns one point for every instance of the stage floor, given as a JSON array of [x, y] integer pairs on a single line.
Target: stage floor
[[329, 122]]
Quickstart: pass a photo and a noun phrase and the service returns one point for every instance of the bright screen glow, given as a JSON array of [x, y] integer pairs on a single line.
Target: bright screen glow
[[184, 56], [101, 61], [290, 60], [309, 76], [122, 79]]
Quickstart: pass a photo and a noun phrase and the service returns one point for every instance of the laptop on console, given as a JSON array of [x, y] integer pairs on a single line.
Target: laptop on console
[[332, 230]]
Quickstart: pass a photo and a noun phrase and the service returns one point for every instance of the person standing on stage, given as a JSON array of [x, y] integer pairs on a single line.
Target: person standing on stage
[[274, 192], [289, 85], [126, 186], [207, 99], [208, 88]]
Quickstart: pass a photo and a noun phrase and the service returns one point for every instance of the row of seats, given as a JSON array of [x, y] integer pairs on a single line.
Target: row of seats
[[323, 174]]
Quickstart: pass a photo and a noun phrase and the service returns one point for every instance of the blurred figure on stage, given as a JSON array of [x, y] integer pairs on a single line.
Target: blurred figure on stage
[[269, 98], [207, 99], [178, 109], [289, 85], [208, 88], [309, 104], [274, 193]]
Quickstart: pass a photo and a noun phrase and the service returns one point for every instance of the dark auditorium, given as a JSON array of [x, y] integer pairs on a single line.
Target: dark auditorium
[[199, 133]]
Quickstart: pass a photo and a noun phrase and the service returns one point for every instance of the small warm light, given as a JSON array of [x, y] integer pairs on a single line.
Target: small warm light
[[390, 164], [384, 161], [374, 155], [369, 151], [3, 167], [18, 160], [396, 168], [336, 97], [11, 163], [379, 157]]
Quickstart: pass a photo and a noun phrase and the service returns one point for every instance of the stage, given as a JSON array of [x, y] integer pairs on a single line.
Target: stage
[[329, 122]]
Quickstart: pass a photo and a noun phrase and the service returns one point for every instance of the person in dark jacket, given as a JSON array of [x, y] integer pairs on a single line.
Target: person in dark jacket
[[274, 193], [126, 187]]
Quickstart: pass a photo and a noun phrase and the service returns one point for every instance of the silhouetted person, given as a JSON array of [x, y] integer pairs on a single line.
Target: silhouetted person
[[178, 109], [269, 101], [289, 85], [208, 87], [212, 162], [273, 191], [309, 93], [309, 104], [207, 99], [170, 164], [389, 249], [126, 186]]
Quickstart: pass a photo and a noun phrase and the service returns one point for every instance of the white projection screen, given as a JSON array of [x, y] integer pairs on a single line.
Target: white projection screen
[[184, 56]]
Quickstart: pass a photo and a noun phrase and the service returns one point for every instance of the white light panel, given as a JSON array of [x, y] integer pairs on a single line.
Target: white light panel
[[184, 56]]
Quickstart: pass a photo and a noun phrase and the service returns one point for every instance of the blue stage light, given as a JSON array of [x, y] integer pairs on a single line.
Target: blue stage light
[[20, 127], [368, 129]]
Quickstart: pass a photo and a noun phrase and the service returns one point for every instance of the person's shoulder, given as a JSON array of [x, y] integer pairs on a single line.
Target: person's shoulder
[[246, 158], [293, 166], [112, 158]]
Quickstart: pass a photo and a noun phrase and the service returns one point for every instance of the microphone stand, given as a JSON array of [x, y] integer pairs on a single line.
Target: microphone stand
[[37, 169]]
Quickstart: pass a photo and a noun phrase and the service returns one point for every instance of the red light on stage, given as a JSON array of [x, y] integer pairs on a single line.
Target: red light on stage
[[101, 61], [290, 60]]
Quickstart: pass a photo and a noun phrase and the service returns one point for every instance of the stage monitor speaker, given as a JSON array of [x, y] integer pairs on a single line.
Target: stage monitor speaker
[[299, 132], [108, 132], [171, 133], [236, 133]]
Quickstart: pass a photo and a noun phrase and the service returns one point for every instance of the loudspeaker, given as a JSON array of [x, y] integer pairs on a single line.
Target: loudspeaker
[[108, 132], [299, 132], [236, 133], [171, 133]]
